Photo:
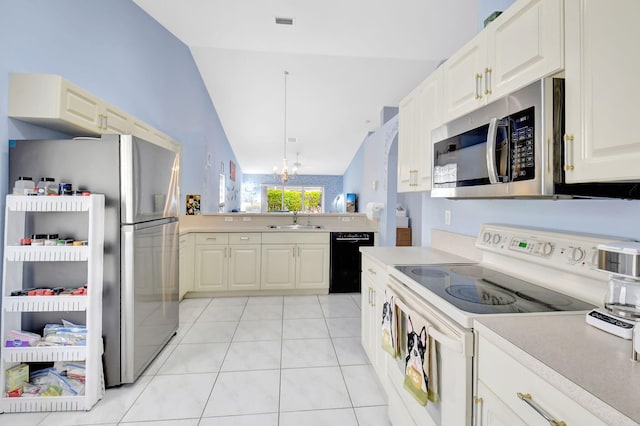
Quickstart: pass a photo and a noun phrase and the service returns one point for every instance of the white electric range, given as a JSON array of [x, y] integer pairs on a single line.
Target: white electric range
[[523, 271]]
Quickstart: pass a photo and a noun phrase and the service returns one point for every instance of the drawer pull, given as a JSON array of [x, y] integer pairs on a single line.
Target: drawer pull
[[244, 238], [528, 399]]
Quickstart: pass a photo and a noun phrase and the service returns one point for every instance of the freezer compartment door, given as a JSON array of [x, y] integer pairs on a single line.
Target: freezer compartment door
[[149, 293], [149, 174]]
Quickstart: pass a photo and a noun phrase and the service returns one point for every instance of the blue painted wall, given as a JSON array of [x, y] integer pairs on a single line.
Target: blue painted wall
[[251, 187], [372, 174], [606, 217], [116, 51], [353, 176]]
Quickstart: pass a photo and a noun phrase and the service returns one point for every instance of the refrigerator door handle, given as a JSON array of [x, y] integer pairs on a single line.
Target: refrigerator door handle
[[127, 289]]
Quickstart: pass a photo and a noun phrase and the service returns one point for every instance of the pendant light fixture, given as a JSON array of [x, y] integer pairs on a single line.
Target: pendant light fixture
[[284, 174]]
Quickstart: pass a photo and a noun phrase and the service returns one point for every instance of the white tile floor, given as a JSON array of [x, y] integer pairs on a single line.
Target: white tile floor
[[259, 361]]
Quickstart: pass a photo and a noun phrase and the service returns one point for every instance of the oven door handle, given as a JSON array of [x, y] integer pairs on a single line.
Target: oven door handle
[[452, 344], [491, 151]]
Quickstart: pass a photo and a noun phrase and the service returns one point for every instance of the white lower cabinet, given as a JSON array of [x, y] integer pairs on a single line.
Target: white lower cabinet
[[491, 411], [374, 277], [253, 261], [244, 261], [226, 261], [278, 266], [186, 264], [508, 393], [295, 261], [211, 262]]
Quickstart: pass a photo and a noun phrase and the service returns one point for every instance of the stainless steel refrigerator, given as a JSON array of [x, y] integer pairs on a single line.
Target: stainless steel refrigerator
[[140, 181]]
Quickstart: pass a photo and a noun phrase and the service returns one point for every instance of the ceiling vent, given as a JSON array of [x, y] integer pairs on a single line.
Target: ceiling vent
[[284, 21]]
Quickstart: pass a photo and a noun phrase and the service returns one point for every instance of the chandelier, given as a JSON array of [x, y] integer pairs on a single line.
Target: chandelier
[[284, 175]]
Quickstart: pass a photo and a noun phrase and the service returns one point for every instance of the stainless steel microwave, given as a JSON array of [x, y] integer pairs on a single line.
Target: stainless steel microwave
[[504, 149]]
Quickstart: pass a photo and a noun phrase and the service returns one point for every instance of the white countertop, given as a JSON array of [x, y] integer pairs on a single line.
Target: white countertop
[[591, 366], [411, 255], [255, 222]]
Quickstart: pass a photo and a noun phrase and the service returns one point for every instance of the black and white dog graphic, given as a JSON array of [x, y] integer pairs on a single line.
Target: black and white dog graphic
[[414, 366], [388, 340]]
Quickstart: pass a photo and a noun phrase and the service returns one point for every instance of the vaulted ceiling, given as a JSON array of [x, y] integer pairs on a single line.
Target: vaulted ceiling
[[346, 59]]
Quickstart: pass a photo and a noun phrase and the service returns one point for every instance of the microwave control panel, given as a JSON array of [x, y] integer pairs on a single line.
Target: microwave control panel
[[522, 143]]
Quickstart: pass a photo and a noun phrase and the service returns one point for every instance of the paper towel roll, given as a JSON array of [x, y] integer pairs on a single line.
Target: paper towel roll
[[373, 210]]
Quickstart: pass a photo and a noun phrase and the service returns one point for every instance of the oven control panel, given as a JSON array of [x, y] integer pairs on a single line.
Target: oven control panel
[[575, 253]]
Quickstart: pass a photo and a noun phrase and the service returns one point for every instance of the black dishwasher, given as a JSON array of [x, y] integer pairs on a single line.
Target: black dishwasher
[[346, 261]]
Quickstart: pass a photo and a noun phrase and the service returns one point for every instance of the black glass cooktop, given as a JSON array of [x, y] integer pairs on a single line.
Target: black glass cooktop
[[476, 289]]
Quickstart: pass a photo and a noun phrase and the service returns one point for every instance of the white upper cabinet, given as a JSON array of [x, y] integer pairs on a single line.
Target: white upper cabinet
[[407, 135], [462, 78], [522, 45], [51, 101], [419, 114], [602, 90], [525, 45]]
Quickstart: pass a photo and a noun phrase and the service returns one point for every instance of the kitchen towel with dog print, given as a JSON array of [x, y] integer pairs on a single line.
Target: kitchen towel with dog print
[[421, 368], [389, 325]]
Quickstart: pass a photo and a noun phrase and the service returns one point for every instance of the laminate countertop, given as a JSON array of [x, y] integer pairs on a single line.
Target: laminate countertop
[[591, 366]]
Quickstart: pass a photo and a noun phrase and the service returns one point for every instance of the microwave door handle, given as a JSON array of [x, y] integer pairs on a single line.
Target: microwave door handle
[[491, 150]]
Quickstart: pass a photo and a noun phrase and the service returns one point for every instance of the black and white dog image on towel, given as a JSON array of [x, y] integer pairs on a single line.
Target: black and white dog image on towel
[[416, 380], [388, 325]]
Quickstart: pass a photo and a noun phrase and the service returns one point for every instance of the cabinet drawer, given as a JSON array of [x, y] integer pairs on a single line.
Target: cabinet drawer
[[374, 271], [295, 238], [506, 377], [212, 238], [245, 238]]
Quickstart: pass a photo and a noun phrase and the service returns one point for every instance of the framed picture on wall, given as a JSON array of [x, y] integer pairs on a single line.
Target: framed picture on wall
[[232, 171], [352, 203], [193, 204]]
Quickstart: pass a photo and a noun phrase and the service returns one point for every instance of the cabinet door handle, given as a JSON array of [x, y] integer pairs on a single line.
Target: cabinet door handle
[[477, 408], [568, 153], [478, 86], [211, 238], [373, 297], [229, 251], [371, 271], [370, 290], [528, 399], [487, 81]]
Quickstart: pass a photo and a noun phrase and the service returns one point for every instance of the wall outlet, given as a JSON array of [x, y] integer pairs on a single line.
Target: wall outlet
[[447, 217]]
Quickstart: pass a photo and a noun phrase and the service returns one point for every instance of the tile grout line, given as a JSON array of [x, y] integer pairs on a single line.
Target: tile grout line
[[204, 408]]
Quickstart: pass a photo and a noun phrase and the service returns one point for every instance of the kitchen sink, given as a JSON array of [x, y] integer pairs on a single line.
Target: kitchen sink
[[294, 226]]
